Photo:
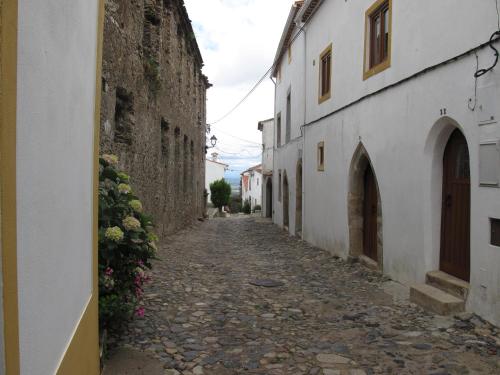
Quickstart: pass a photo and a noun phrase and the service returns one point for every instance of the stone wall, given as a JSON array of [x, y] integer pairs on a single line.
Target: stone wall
[[153, 106]]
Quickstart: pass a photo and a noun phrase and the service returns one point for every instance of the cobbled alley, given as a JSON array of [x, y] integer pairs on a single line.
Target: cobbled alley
[[239, 296]]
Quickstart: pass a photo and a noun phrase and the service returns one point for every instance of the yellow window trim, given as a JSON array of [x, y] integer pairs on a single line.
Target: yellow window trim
[[8, 188], [367, 73], [328, 95], [321, 166]]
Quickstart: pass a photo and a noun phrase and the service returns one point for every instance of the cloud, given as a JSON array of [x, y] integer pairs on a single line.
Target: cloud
[[238, 41]]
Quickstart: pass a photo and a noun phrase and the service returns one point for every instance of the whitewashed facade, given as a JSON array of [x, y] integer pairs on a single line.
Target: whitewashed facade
[[396, 120], [50, 78], [214, 170], [267, 129], [251, 186]]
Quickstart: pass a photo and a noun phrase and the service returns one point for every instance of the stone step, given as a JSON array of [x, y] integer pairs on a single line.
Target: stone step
[[436, 300], [448, 283]]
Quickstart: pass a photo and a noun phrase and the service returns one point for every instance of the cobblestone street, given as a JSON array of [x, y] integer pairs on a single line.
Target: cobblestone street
[[204, 315]]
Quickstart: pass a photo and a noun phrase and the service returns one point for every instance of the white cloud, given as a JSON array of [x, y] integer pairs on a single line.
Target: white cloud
[[238, 41]]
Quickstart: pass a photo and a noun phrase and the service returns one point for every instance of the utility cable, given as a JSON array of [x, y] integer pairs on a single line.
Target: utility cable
[[494, 37], [273, 66], [473, 108], [240, 139]]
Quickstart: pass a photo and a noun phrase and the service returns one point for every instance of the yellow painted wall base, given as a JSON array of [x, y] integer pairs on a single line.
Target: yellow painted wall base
[[82, 356]]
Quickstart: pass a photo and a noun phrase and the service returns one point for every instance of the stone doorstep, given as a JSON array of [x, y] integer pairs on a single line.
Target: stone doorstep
[[436, 300], [448, 283], [368, 262]]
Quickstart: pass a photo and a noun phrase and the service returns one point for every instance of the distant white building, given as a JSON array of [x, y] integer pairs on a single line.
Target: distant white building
[[251, 183], [214, 170], [387, 141], [267, 129]]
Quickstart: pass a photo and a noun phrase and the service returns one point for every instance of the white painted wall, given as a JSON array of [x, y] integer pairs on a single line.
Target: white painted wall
[[57, 42], [402, 130], [267, 129], [267, 146], [213, 171], [254, 191]]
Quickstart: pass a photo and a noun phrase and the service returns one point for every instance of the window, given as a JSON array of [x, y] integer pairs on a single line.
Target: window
[[378, 38], [495, 232], [288, 117], [325, 74], [278, 74], [279, 186], [321, 156], [278, 130]]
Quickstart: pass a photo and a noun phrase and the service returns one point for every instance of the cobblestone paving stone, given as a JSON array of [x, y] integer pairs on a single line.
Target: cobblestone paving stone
[[330, 317]]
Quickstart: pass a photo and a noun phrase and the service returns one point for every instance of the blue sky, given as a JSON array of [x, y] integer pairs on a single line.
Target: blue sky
[[238, 41]]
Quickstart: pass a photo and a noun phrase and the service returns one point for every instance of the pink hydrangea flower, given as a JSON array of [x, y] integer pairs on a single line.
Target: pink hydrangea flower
[[140, 312]]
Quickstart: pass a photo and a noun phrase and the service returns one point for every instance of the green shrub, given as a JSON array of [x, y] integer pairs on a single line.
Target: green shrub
[[247, 208], [126, 246], [257, 208], [220, 193]]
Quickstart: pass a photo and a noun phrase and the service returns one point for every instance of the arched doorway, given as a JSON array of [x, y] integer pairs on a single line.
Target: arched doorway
[[286, 217], [455, 211], [364, 210], [269, 197], [370, 211], [298, 200]]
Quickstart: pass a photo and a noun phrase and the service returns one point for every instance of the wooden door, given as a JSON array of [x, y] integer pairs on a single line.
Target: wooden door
[[370, 213], [285, 202], [455, 213]]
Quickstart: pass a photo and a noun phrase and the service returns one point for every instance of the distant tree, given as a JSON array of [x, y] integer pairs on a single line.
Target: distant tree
[[220, 193]]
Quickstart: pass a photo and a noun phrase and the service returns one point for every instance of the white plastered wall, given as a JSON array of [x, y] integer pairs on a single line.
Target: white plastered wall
[[213, 171], [401, 129], [57, 43]]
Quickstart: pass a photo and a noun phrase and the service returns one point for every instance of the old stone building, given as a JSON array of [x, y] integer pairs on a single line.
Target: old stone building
[[153, 106]]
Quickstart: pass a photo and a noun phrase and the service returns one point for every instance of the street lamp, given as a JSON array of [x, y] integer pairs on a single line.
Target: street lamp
[[213, 142]]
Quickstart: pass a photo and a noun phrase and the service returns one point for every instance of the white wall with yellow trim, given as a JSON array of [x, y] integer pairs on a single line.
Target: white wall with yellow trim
[[57, 54]]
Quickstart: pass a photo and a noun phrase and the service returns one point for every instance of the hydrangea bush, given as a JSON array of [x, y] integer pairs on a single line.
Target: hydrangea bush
[[126, 246]]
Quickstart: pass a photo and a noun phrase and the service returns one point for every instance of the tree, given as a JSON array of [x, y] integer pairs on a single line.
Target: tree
[[220, 193]]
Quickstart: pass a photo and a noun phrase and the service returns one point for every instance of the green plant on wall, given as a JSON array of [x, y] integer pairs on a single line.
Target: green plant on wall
[[152, 74], [220, 193], [126, 246]]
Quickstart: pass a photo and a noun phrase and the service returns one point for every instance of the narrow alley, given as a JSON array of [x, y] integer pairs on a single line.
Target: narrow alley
[[239, 295]]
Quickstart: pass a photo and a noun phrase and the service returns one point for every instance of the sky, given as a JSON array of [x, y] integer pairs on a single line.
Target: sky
[[238, 41]]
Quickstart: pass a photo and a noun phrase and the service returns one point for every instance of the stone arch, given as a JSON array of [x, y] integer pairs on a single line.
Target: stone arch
[[435, 145], [286, 201], [298, 199], [356, 199]]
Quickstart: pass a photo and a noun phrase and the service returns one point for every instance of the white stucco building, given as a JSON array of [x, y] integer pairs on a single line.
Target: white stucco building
[[251, 186], [214, 170], [384, 148], [50, 107], [267, 129]]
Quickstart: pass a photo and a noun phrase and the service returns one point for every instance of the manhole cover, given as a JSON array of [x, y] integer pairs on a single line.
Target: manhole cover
[[266, 283]]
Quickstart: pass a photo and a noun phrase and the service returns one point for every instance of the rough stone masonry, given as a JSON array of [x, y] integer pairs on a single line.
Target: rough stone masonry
[[153, 106]]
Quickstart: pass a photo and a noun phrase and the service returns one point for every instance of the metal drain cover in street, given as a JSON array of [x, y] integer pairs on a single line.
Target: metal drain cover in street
[[266, 283]]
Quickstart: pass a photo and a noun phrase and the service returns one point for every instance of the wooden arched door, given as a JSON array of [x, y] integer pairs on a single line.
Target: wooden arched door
[[370, 215], [455, 214]]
